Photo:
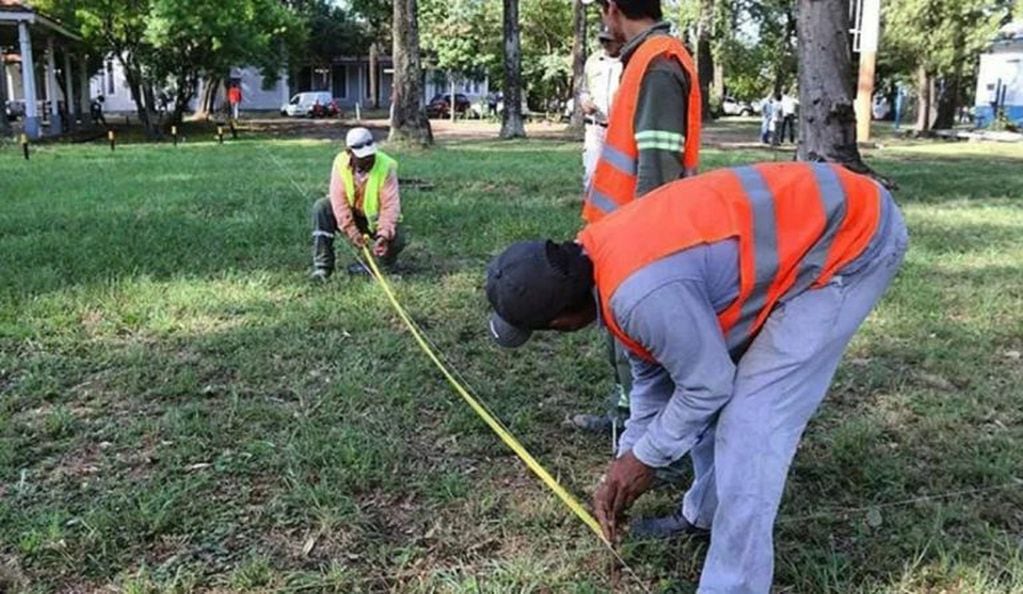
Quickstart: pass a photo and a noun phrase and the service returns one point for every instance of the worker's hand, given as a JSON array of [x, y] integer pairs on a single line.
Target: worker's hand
[[357, 240], [626, 479], [381, 247], [589, 107]]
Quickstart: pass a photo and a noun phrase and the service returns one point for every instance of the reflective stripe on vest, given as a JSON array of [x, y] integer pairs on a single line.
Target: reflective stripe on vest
[[614, 179], [376, 178], [796, 225]]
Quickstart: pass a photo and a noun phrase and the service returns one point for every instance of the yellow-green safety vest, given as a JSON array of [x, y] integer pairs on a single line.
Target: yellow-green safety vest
[[383, 166]]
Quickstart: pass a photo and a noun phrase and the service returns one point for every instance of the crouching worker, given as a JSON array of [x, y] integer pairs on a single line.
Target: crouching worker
[[736, 293], [363, 201]]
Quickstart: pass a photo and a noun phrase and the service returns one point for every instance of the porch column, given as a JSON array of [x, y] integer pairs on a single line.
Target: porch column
[[28, 82], [51, 90], [84, 105], [69, 101]]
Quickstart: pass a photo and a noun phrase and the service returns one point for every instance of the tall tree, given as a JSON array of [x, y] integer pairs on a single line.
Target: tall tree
[[578, 61], [826, 92], [408, 116], [195, 38], [119, 27], [704, 55], [512, 125], [455, 35]]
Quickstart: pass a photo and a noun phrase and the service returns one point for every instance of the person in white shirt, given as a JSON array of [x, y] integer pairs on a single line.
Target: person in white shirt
[[767, 108], [602, 74], [788, 118]]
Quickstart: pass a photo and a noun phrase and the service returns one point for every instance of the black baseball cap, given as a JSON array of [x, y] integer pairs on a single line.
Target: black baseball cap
[[532, 282]]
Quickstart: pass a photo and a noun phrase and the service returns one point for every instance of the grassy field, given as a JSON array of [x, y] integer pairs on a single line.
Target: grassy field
[[180, 410]]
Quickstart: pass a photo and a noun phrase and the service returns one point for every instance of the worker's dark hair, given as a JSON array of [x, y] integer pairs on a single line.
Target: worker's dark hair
[[639, 9]]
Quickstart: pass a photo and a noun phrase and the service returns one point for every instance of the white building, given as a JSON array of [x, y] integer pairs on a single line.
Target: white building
[[1000, 78]]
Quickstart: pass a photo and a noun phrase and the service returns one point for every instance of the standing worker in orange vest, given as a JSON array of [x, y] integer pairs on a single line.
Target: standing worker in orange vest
[[736, 293], [653, 137]]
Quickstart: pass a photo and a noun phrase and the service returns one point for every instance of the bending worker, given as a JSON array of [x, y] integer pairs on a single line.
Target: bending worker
[[736, 293], [603, 69], [363, 201], [653, 136]]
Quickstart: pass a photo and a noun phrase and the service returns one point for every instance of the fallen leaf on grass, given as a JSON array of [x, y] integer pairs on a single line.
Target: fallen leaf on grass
[[309, 545], [874, 519], [197, 466], [935, 381]]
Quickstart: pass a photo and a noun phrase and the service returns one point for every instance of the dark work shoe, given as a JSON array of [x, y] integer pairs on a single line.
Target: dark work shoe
[[591, 423], [320, 275], [596, 423], [359, 269], [665, 528]]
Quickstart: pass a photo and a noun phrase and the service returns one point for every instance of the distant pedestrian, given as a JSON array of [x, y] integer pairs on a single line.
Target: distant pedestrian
[[96, 111], [603, 71], [776, 119], [767, 108], [234, 98], [789, 106]]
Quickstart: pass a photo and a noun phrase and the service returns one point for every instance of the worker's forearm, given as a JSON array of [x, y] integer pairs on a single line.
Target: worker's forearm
[[678, 427], [651, 389], [660, 127], [390, 207], [677, 324]]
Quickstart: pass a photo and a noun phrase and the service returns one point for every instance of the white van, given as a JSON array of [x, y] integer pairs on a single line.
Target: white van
[[301, 105]]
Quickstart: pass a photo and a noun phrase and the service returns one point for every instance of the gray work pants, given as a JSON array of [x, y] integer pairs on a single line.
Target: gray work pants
[[325, 229], [741, 464]]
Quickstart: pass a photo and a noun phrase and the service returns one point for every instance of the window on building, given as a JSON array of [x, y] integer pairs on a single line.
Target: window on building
[[110, 77]]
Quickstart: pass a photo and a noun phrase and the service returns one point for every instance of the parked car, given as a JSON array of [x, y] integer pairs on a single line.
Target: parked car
[[439, 106], [731, 106], [311, 104]]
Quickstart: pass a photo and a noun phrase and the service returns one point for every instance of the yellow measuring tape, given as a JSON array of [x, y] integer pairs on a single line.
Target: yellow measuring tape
[[489, 419]]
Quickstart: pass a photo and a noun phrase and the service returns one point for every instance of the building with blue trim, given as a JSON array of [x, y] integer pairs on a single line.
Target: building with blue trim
[[1000, 78]]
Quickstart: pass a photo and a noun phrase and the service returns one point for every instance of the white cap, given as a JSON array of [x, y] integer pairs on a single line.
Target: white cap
[[360, 142]]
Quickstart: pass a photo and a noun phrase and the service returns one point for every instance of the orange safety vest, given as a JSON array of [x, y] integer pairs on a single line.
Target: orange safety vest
[[796, 225], [614, 179]]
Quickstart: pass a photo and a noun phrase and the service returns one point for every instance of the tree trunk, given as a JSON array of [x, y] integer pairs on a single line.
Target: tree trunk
[[206, 100], [374, 75], [408, 117], [924, 96], [704, 55], [186, 88], [451, 96], [827, 122], [5, 126], [512, 125], [141, 94], [786, 62], [948, 103], [578, 62]]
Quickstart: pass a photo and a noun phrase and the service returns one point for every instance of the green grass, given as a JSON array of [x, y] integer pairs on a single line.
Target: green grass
[[181, 411]]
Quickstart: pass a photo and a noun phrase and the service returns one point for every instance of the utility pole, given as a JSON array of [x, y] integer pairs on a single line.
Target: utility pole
[[869, 31]]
